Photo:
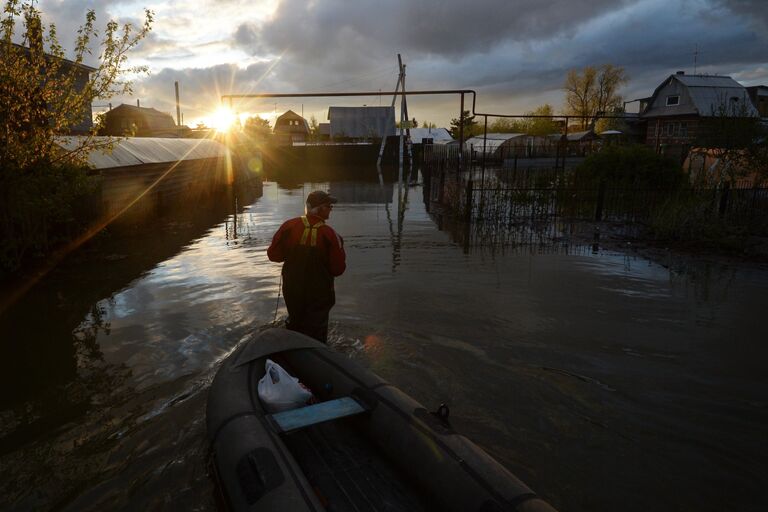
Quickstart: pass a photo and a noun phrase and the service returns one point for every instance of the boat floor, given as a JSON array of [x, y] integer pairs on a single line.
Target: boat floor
[[347, 473]]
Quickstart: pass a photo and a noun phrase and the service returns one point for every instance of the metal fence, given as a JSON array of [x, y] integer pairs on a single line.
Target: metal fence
[[507, 195]]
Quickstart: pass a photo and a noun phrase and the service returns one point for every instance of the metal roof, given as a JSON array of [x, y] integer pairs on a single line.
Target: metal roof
[[438, 135], [707, 93], [707, 81], [362, 121], [146, 150]]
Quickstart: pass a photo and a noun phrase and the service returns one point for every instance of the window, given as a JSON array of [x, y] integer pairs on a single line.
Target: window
[[683, 129], [673, 100]]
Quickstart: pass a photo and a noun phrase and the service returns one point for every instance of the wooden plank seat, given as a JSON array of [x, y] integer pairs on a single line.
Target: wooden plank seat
[[296, 419]]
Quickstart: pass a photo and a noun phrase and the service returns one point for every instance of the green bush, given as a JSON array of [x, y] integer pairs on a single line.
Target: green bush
[[39, 209], [635, 166]]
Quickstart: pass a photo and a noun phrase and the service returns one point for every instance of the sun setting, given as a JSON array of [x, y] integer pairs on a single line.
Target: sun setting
[[222, 119]]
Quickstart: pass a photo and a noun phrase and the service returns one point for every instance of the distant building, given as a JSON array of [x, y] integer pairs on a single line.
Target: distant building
[[759, 96], [682, 104], [581, 143], [324, 131], [82, 75], [359, 123], [429, 135], [140, 122], [291, 127]]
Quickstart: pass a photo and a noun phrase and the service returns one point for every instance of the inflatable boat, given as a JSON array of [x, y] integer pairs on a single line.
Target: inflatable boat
[[364, 445]]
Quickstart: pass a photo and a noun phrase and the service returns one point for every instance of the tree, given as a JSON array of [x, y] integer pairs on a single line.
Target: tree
[[40, 183], [542, 126], [593, 91], [470, 125], [428, 124], [507, 125], [257, 127]]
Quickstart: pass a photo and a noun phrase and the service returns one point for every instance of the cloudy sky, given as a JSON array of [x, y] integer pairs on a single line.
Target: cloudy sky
[[515, 53]]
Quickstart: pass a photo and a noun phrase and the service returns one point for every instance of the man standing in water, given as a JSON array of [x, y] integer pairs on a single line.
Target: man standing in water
[[313, 254]]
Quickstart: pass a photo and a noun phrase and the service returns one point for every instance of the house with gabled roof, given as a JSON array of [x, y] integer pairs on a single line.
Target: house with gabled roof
[[82, 73], [291, 127], [681, 106], [140, 122]]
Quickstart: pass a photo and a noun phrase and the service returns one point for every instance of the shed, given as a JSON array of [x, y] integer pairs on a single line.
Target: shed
[[140, 121], [361, 122], [144, 173], [134, 151]]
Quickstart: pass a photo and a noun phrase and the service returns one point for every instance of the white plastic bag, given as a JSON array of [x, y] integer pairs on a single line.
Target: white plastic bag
[[279, 391]]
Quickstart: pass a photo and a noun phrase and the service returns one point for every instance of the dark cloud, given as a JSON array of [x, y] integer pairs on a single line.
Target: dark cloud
[[753, 10], [312, 30], [515, 53]]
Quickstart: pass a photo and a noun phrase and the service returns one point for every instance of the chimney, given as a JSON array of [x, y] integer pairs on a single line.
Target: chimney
[[138, 103], [680, 73]]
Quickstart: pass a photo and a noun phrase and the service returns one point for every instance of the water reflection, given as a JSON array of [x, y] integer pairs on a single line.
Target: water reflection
[[571, 365]]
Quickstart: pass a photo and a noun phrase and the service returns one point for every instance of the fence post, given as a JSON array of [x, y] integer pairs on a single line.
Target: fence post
[[600, 201], [724, 199], [468, 213]]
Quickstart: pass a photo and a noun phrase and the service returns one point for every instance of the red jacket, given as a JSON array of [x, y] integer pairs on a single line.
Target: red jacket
[[329, 243]]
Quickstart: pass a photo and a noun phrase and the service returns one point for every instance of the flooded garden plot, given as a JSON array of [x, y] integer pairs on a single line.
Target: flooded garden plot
[[604, 380]]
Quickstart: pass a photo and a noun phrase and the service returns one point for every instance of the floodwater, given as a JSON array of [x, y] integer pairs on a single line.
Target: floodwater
[[603, 380]]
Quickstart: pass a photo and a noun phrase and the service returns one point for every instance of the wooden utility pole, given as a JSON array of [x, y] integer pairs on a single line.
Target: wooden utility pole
[[407, 118], [178, 109], [402, 120], [394, 98]]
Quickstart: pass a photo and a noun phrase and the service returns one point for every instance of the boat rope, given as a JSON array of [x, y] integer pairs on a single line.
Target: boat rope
[[277, 304]]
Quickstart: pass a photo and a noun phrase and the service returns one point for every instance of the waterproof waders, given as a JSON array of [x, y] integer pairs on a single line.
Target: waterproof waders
[[308, 286]]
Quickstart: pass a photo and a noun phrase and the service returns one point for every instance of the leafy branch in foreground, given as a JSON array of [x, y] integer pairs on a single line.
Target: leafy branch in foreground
[[44, 95]]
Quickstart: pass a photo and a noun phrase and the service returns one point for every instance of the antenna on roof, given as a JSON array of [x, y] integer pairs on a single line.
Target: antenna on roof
[[696, 53]]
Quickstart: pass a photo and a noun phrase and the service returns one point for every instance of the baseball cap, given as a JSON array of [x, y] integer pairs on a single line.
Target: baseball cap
[[319, 197]]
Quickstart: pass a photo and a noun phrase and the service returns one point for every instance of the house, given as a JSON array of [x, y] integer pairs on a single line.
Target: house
[[291, 127], [428, 135], [81, 74], [140, 122], [759, 96], [360, 123], [683, 104]]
